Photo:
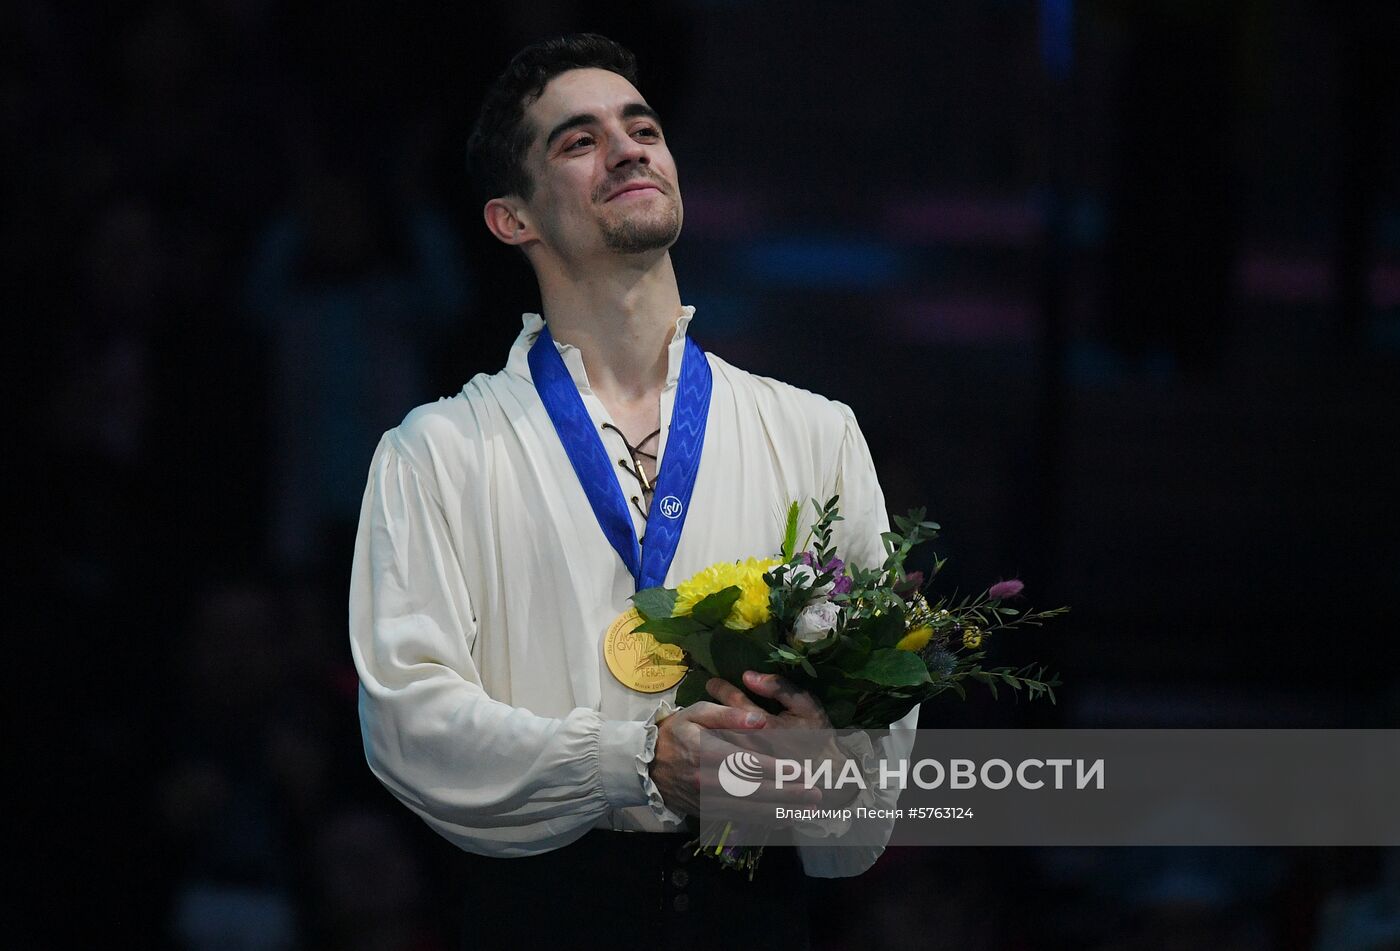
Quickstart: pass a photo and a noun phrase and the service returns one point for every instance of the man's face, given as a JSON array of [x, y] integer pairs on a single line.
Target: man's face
[[604, 179]]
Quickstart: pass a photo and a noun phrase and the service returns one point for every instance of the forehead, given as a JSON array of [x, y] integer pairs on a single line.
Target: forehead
[[596, 91]]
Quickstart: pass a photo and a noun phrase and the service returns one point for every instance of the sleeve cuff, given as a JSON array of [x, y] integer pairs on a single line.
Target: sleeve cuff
[[643, 762], [625, 751]]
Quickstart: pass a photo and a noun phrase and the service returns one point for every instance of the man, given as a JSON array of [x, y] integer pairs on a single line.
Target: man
[[505, 529]]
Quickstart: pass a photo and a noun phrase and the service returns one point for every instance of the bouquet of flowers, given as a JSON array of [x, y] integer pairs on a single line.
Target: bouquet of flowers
[[867, 642]]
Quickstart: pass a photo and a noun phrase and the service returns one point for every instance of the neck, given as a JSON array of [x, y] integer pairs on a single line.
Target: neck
[[621, 319]]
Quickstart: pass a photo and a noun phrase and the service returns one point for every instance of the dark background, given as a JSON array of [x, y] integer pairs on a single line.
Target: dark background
[[1113, 288]]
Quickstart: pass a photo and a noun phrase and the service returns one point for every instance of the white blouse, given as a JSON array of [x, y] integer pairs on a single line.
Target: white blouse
[[482, 585]]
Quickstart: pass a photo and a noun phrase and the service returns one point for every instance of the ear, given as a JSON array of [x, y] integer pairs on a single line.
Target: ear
[[507, 219]]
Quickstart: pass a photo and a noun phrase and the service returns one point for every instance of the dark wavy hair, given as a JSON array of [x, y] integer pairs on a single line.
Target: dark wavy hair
[[501, 136]]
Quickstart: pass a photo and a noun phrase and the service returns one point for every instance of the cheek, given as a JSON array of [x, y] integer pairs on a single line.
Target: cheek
[[667, 165], [576, 194]]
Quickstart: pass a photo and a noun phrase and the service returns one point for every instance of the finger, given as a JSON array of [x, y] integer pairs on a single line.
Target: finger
[[780, 739], [716, 716], [711, 748], [799, 702], [730, 695]]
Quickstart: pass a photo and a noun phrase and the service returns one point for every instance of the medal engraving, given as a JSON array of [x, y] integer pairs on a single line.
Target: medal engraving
[[638, 660]]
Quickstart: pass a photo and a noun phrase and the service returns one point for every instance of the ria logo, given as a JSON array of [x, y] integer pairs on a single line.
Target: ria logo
[[671, 507], [740, 773]]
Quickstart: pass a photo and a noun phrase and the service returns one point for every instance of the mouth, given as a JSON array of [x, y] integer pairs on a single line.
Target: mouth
[[635, 188]]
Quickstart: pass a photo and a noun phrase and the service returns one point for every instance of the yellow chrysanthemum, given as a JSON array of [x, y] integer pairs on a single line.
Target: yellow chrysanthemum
[[750, 610], [915, 640], [972, 638]]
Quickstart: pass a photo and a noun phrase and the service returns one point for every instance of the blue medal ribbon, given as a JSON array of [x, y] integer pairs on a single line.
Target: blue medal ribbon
[[670, 502]]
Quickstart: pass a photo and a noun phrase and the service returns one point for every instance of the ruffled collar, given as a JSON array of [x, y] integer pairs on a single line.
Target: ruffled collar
[[519, 363]]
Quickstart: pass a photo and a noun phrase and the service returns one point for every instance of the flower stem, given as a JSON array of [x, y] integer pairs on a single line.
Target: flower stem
[[720, 847]]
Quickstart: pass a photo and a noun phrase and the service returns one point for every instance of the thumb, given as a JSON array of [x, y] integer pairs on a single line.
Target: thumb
[[764, 684], [773, 687]]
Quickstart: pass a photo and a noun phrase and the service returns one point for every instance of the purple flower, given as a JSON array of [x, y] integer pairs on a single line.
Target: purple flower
[[833, 566], [841, 584], [1005, 589]]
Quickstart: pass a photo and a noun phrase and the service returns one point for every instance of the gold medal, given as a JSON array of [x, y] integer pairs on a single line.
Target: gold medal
[[637, 659]]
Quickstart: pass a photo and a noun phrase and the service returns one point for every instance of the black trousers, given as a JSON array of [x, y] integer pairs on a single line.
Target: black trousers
[[623, 890]]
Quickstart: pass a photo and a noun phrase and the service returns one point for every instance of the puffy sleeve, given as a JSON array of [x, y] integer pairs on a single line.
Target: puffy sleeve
[[863, 514], [492, 778], [857, 537]]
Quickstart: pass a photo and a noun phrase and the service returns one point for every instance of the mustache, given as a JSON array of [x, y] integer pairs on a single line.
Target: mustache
[[612, 187]]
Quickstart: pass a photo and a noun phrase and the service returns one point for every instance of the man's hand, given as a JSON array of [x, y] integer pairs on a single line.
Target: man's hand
[[684, 745], [800, 709], [688, 754]]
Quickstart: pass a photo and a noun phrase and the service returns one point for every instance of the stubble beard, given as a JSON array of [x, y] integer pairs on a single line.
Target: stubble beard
[[639, 233]]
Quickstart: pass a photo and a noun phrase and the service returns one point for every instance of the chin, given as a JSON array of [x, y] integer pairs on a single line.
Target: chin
[[642, 233]]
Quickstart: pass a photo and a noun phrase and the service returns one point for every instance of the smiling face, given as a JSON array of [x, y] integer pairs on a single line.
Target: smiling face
[[604, 178]]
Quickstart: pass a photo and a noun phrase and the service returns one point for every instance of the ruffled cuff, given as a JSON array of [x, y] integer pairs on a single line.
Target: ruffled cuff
[[658, 806]]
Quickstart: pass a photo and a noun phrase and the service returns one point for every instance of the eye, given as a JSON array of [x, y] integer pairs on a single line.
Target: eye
[[577, 142], [647, 130]]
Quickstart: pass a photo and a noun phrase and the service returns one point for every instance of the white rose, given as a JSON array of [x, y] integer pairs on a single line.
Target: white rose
[[815, 621]]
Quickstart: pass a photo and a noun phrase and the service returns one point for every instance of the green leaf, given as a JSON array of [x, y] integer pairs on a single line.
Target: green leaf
[[735, 652], [692, 688], [884, 630], [892, 668], [839, 712], [765, 634], [655, 602], [714, 608], [884, 711], [672, 630], [697, 646], [849, 654]]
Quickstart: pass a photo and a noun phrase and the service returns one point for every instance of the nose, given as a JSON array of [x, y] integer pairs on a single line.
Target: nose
[[626, 149]]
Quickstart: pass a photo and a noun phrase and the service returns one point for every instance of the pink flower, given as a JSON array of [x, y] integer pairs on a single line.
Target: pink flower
[[1005, 589], [912, 584]]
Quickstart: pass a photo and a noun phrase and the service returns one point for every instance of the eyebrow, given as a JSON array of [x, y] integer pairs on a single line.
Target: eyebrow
[[629, 111]]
